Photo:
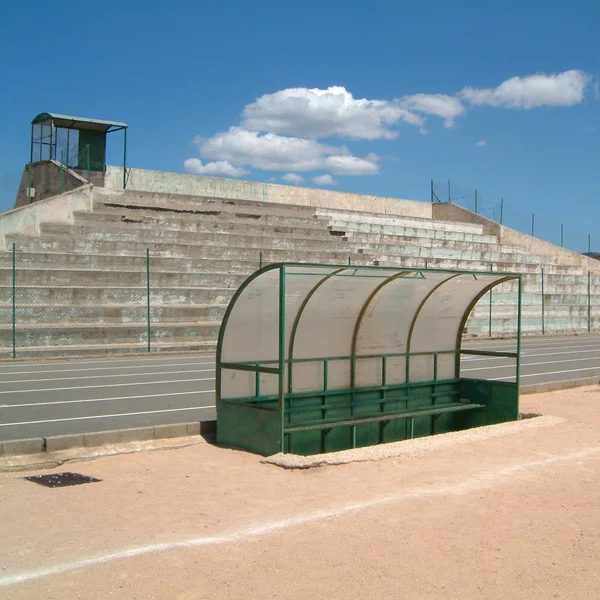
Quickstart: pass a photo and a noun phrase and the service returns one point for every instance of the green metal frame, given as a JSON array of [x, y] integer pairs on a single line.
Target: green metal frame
[[374, 398]]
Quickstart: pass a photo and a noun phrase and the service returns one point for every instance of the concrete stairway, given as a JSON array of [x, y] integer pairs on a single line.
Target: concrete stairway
[[82, 275]]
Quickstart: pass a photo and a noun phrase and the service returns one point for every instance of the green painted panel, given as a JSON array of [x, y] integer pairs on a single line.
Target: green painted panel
[[246, 426], [96, 140], [500, 397]]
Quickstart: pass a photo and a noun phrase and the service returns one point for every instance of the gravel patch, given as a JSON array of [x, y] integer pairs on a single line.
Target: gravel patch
[[411, 447]]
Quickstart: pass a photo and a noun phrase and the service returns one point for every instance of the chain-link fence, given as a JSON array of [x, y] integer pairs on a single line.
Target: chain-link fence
[[74, 304], [109, 302], [499, 210]]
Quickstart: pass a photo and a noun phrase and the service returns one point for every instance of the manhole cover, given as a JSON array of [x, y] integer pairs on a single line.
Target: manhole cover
[[61, 479]]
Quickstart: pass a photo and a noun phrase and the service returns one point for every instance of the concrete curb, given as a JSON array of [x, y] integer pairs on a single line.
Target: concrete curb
[[100, 438], [553, 386]]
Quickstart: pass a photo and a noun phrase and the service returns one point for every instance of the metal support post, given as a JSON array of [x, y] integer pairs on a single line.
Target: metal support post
[[491, 299], [562, 235], [532, 224], [124, 158], [148, 294], [260, 260], [281, 365], [14, 301], [518, 365], [543, 303], [589, 299]]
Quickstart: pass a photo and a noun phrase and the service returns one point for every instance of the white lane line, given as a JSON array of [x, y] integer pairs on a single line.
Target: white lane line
[[467, 485], [59, 402], [528, 355], [108, 376], [533, 364], [89, 387], [145, 412], [190, 364], [540, 374], [113, 360]]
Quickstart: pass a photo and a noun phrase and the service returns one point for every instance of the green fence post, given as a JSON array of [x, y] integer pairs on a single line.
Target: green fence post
[[491, 297], [543, 304], [61, 177], [14, 301], [148, 294], [589, 299], [89, 166], [29, 178], [349, 260], [281, 361], [432, 191], [532, 224], [562, 235], [260, 260]]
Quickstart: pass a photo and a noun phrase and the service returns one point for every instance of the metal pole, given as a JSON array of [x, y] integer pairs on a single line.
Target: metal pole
[[124, 157], [148, 294], [260, 259], [532, 224], [14, 301], [61, 178], [543, 303], [562, 235], [349, 260], [501, 211], [281, 390], [432, 191], [30, 162], [89, 167], [519, 305], [491, 298], [589, 295]]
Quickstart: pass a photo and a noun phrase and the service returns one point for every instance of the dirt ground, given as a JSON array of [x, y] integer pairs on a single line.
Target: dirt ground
[[514, 516]]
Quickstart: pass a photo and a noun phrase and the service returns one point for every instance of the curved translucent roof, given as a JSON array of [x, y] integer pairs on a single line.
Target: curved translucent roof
[[344, 311], [79, 123]]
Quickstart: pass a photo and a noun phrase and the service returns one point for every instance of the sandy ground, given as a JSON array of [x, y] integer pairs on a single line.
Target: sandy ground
[[514, 516]]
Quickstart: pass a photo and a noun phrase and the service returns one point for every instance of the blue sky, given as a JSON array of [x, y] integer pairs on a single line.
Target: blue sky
[[372, 97]]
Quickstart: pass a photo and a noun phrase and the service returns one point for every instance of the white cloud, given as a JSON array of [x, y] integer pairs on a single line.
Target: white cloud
[[316, 113], [325, 179], [293, 178], [440, 105], [560, 89], [481, 143], [271, 152], [220, 167]]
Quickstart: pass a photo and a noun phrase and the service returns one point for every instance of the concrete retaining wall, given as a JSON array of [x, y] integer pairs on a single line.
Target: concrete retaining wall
[[26, 220], [199, 185]]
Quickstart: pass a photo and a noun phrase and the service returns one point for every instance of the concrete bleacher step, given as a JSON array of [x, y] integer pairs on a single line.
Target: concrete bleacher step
[[83, 278], [51, 334], [123, 296]]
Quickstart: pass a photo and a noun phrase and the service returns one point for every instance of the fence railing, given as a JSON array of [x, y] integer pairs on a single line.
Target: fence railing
[[534, 224]]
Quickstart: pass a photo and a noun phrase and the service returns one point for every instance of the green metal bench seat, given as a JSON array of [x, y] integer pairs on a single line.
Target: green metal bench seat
[[383, 417]]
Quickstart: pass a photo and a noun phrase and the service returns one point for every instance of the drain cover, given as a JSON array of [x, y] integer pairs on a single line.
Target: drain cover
[[61, 479]]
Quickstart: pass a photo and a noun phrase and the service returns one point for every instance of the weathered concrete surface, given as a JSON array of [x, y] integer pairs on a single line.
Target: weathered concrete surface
[[199, 185], [46, 181], [26, 219]]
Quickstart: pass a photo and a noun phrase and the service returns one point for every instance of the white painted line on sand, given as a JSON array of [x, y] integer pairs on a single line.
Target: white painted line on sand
[[472, 484], [131, 414]]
